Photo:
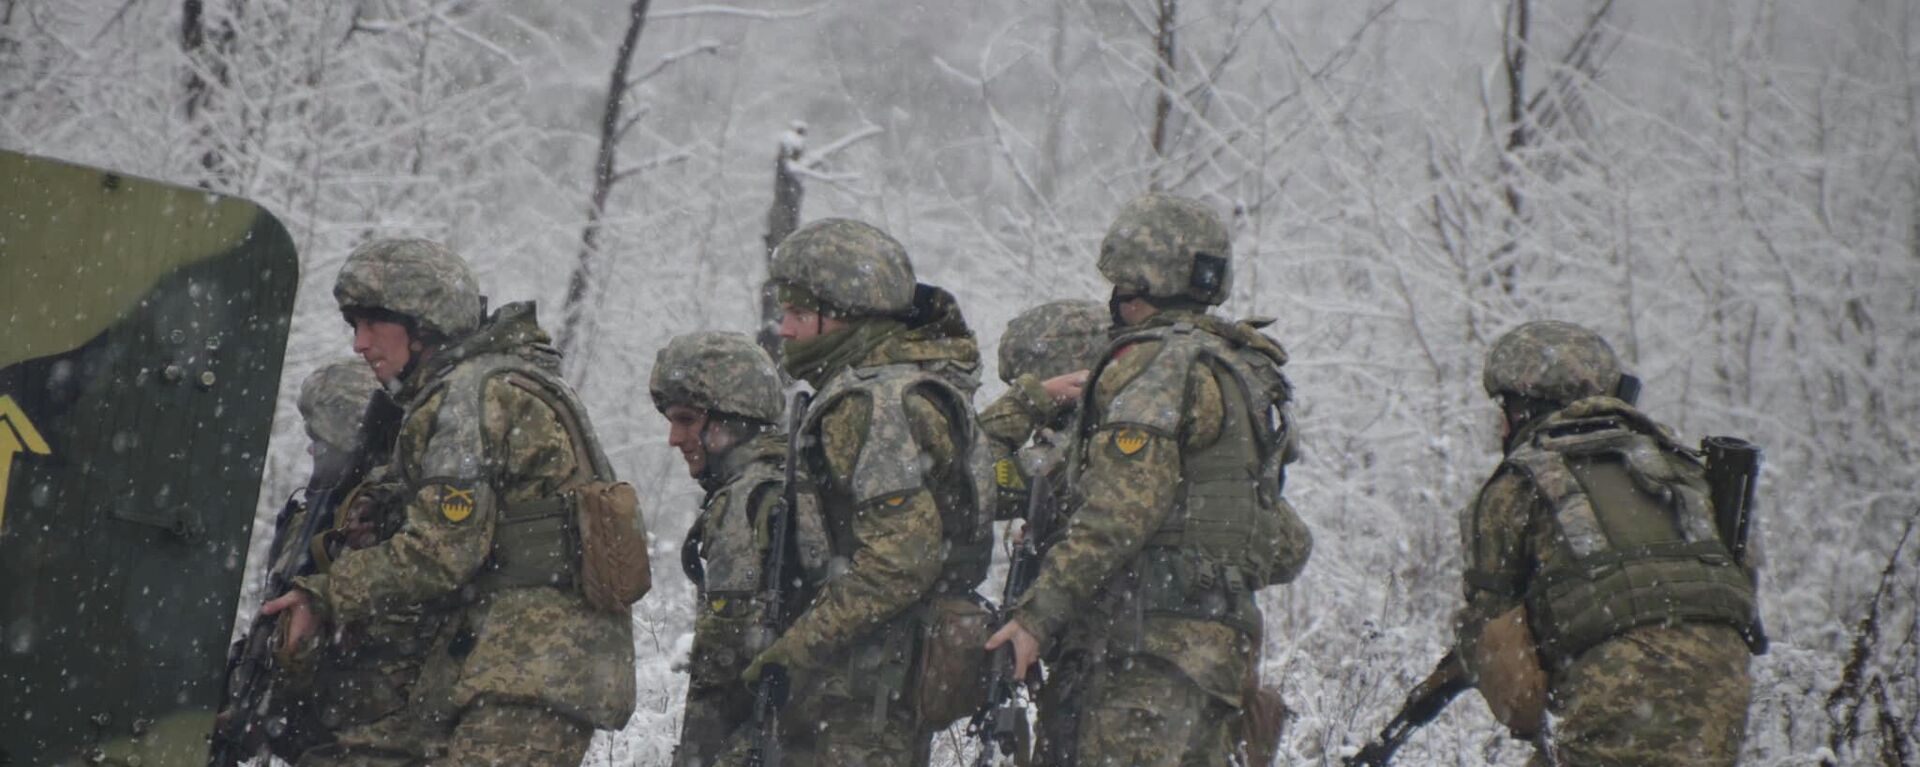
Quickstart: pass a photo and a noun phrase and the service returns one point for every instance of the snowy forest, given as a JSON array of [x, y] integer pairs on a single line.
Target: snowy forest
[[1729, 190]]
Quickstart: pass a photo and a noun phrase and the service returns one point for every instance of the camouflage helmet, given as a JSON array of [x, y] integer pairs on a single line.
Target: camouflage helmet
[[332, 401], [851, 268], [1552, 361], [1163, 246], [1053, 339], [420, 279], [721, 372]]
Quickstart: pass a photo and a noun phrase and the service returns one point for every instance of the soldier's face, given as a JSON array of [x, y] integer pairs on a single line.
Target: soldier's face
[[384, 345], [1133, 311], [800, 323], [685, 425]]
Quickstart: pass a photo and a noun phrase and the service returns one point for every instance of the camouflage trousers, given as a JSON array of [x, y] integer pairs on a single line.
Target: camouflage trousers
[[847, 733], [486, 733], [718, 705], [711, 725], [1654, 697], [1143, 712]]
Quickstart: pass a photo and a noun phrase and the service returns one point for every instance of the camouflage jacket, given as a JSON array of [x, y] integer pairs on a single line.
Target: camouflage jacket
[[473, 440], [887, 543], [1128, 483]]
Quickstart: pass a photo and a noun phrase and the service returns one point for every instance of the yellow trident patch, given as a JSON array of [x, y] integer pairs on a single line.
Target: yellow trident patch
[[455, 504], [1129, 441], [1007, 476]]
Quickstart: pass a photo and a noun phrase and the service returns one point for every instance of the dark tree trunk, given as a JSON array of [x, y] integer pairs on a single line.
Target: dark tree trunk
[[783, 217], [1515, 45], [204, 60], [1163, 68], [579, 286]]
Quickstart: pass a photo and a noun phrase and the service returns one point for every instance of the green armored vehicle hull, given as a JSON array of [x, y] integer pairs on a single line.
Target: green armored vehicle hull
[[142, 328]]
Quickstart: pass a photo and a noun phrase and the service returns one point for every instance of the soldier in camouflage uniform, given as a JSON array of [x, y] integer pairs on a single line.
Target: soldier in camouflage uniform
[[506, 662], [1596, 584], [721, 395], [331, 403], [1179, 466], [1045, 355], [900, 468]]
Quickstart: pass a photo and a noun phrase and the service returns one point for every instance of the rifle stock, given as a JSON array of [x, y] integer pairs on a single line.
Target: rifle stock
[[239, 732], [1425, 702], [770, 694]]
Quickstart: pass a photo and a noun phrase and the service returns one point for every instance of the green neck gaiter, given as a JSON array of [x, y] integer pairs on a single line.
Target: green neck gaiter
[[817, 359]]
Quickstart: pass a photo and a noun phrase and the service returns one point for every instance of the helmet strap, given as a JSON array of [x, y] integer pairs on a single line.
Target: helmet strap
[[1519, 411]]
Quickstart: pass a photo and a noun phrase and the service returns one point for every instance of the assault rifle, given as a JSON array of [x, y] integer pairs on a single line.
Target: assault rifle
[[1002, 724], [1423, 704], [242, 729], [1733, 467], [771, 693]]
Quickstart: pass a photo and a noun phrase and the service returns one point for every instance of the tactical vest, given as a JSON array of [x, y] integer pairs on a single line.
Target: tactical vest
[[536, 543], [1219, 542], [966, 524], [730, 538], [1635, 526]]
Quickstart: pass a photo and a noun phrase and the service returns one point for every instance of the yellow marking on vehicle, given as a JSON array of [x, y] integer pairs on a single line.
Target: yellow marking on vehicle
[[16, 434]]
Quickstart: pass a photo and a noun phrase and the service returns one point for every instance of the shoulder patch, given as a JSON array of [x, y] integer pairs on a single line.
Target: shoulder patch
[[456, 501], [1129, 441], [1007, 475]]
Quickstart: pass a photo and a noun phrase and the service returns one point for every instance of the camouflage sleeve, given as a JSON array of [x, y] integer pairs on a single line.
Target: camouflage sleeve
[[1011, 420], [1497, 556], [449, 512], [896, 540], [1128, 488]]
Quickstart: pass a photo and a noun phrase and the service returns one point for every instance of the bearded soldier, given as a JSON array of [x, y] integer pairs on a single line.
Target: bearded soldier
[[1180, 455], [1597, 587], [473, 531], [900, 468], [721, 397]]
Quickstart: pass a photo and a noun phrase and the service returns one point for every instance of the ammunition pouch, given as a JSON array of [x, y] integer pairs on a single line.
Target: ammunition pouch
[[586, 538], [951, 668], [535, 544], [1573, 608], [1184, 583]]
